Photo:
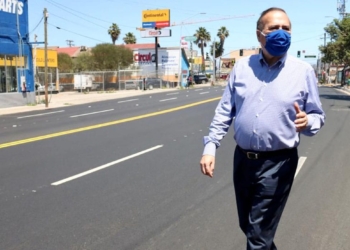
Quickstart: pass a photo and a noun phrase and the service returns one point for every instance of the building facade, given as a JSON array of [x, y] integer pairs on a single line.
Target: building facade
[[16, 62]]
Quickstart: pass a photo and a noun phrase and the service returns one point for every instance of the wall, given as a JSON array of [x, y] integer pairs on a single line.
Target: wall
[[16, 64]]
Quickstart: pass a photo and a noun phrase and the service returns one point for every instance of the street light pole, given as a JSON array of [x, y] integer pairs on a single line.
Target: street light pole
[[45, 59]]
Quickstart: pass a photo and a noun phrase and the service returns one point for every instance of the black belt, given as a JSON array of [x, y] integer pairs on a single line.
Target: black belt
[[255, 155]]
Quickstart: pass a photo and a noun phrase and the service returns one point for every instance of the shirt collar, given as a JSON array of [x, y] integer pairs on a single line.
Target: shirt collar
[[279, 63]]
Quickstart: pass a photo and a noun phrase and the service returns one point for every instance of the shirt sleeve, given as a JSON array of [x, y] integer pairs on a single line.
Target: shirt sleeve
[[224, 113], [313, 107]]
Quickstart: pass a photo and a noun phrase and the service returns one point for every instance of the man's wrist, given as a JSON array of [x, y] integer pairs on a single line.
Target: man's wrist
[[209, 149]]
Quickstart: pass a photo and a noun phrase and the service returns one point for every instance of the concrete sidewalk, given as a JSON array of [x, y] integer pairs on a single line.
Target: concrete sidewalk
[[64, 99]]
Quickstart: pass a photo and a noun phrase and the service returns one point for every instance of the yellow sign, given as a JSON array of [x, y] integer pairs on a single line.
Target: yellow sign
[[197, 60], [11, 61], [156, 15], [40, 58]]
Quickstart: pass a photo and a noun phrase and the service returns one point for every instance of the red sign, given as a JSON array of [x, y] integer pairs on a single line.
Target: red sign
[[138, 57], [162, 24]]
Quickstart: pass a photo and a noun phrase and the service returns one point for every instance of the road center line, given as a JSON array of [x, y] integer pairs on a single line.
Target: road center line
[[300, 165], [164, 100], [203, 93], [106, 124], [173, 93], [49, 113], [131, 100], [105, 166], [198, 89], [103, 111]]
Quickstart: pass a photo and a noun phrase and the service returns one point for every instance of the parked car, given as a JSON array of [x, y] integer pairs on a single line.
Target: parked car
[[198, 79], [152, 82], [51, 87], [133, 84]]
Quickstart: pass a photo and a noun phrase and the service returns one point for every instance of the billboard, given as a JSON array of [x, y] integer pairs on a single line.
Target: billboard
[[13, 14], [155, 18], [51, 58], [168, 60]]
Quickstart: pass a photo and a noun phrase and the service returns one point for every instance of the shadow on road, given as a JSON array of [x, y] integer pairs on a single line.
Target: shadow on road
[[336, 97]]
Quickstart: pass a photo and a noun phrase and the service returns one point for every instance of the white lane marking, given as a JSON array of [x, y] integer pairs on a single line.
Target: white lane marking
[[173, 93], [203, 93], [131, 100], [198, 89], [340, 109], [164, 100], [49, 113], [104, 166], [300, 165], [103, 111]]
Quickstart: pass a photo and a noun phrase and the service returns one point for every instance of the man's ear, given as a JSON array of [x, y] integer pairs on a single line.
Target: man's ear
[[258, 35]]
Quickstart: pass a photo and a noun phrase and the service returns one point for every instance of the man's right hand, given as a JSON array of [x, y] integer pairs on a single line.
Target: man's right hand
[[207, 164]]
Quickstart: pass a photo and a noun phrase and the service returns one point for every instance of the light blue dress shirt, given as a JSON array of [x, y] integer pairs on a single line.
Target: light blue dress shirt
[[260, 100]]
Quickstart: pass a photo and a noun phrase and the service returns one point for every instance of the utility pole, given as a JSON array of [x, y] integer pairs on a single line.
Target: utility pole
[[214, 71], [46, 83], [324, 63], [70, 43]]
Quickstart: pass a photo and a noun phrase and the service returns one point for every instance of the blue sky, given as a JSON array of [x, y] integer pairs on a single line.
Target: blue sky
[[86, 22]]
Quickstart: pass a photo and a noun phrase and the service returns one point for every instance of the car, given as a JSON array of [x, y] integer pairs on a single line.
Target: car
[[153, 82], [133, 84], [198, 79], [51, 87]]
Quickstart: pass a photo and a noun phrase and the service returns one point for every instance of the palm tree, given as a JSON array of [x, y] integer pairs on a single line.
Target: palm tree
[[129, 38], [223, 33], [114, 32], [203, 36]]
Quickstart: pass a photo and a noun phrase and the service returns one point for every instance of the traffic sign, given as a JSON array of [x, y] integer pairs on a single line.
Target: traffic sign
[[190, 38], [310, 56]]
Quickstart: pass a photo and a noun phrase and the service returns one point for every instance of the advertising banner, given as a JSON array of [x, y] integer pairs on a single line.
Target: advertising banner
[[13, 14], [51, 58], [168, 60], [155, 18], [155, 33]]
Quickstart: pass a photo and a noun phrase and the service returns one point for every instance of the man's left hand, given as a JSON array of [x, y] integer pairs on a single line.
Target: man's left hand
[[301, 118]]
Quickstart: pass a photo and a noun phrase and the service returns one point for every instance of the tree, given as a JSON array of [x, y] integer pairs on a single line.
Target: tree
[[108, 57], [65, 63], [114, 32], [83, 62], [218, 49], [338, 50], [223, 33], [203, 36], [129, 38]]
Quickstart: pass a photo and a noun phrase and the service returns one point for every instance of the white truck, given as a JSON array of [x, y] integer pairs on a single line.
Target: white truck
[[83, 82]]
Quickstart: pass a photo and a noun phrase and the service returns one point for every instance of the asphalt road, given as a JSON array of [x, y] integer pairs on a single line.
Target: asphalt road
[[124, 174]]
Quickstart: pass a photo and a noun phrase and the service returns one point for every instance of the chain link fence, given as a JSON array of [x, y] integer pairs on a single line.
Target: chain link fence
[[118, 80]]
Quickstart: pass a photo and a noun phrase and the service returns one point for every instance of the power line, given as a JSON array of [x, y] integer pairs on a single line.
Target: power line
[[60, 28], [37, 25], [77, 15], [63, 6]]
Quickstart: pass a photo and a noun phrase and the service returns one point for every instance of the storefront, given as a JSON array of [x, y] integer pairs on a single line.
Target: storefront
[[16, 65]]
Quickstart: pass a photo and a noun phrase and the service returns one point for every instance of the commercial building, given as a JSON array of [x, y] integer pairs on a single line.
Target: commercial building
[[173, 65], [16, 64]]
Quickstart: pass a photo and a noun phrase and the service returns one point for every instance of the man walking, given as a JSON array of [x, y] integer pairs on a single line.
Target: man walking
[[273, 98]]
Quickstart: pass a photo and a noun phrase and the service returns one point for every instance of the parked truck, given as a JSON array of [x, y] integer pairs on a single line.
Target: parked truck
[[83, 82]]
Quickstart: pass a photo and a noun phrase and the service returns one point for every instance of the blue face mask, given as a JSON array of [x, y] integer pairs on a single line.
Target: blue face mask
[[277, 42]]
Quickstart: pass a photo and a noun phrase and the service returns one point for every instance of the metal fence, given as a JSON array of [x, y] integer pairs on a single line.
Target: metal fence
[[119, 80]]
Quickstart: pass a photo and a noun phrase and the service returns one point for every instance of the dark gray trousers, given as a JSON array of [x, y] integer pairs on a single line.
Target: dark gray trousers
[[262, 188]]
